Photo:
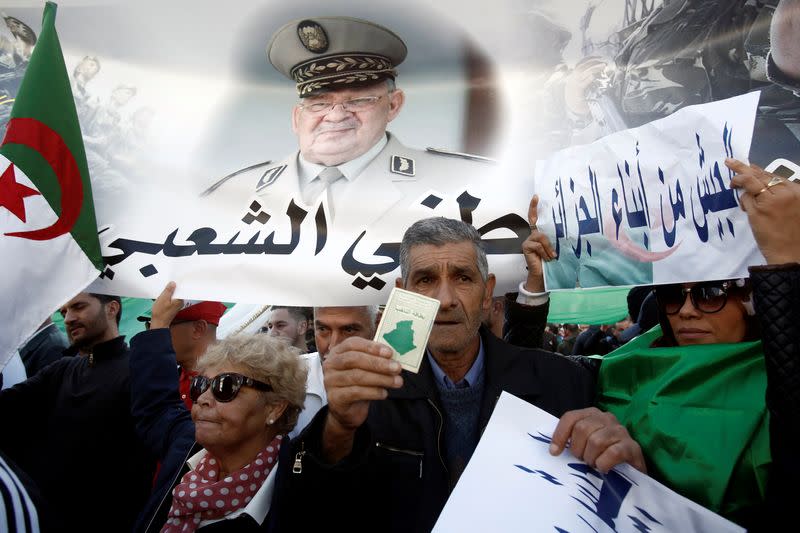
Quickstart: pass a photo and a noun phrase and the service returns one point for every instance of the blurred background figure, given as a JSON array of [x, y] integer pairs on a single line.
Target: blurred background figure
[[783, 61], [566, 346], [17, 40], [495, 316], [290, 324], [642, 310], [84, 72], [46, 345]]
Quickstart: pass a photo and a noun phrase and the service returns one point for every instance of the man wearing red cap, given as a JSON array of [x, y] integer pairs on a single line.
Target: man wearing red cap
[[193, 329]]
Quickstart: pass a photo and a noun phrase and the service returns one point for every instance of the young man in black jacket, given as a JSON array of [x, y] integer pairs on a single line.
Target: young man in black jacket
[[69, 427]]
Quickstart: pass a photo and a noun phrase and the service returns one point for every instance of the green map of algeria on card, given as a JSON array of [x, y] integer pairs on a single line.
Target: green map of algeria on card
[[405, 325], [401, 338]]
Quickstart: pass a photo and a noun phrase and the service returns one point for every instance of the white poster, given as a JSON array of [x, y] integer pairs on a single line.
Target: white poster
[[652, 204], [522, 488]]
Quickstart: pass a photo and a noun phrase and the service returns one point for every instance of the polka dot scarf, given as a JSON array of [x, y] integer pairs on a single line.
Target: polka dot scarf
[[201, 495]]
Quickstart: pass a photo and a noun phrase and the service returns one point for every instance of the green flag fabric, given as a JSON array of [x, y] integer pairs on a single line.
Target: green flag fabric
[[48, 232], [605, 305], [43, 139], [699, 414]]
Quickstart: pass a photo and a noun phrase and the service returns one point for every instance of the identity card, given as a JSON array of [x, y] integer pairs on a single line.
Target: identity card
[[406, 325]]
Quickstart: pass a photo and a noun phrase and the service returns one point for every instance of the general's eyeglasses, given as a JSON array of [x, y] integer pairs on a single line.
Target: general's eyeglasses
[[708, 297], [224, 386], [361, 103]]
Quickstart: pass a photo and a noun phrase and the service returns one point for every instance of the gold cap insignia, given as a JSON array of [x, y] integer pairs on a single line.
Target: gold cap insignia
[[312, 36]]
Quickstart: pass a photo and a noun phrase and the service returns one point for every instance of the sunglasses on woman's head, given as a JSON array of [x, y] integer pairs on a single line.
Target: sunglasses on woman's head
[[708, 297], [224, 386]]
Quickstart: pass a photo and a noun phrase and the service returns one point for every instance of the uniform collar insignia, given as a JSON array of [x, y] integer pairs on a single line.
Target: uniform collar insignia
[[402, 165]]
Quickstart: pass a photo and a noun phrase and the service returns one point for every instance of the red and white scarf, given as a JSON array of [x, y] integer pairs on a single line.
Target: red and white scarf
[[201, 495]]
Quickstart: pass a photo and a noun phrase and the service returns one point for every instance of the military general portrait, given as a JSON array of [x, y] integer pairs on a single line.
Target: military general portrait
[[348, 77], [297, 142]]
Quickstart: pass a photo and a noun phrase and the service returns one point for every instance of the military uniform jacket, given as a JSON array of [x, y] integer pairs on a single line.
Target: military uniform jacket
[[392, 185]]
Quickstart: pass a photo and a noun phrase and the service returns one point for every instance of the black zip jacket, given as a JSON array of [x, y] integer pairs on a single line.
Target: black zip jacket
[[395, 479]]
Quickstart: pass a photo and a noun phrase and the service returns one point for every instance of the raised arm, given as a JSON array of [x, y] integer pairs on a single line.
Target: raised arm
[[160, 416], [774, 215], [526, 311]]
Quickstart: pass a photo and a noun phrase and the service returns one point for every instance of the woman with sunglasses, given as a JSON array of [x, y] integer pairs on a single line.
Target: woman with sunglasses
[[221, 467], [691, 393], [710, 312], [713, 395]]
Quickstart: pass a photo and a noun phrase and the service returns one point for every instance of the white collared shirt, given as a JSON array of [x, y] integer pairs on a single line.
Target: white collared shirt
[[308, 171], [258, 506], [316, 398]]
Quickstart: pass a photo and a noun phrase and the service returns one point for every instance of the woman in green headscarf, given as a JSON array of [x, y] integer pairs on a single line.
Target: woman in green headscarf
[[712, 395], [691, 393]]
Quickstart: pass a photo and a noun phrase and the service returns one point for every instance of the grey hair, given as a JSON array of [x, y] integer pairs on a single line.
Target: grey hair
[[370, 310], [439, 231], [266, 359], [372, 313]]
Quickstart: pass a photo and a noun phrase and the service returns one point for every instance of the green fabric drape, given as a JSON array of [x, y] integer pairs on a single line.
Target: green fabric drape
[[605, 305], [698, 413]]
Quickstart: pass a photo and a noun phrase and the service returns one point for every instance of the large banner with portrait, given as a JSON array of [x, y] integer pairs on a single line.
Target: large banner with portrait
[[192, 135]]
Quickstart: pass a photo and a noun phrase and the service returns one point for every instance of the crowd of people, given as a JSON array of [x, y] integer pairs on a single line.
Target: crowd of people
[[296, 419], [198, 429]]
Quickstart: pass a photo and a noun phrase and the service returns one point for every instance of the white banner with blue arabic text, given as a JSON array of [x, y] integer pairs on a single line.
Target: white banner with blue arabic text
[[653, 204], [522, 488]]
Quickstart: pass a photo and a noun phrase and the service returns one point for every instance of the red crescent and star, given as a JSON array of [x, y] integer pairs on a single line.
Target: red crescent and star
[[40, 137], [13, 194]]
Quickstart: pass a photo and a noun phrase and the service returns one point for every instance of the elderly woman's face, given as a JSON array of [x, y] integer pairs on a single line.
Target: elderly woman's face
[[224, 426], [693, 325]]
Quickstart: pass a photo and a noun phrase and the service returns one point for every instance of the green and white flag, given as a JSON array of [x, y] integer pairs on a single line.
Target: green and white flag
[[48, 232]]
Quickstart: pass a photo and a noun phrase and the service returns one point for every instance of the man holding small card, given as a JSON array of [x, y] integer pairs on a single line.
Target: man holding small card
[[393, 442]]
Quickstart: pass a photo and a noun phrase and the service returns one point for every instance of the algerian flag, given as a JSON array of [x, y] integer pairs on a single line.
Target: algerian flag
[[48, 233]]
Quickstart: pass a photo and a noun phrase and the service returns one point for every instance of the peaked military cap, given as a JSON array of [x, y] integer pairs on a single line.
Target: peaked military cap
[[329, 53]]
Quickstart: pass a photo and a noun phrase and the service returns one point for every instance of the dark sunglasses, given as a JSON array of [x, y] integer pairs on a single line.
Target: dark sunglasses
[[224, 386], [708, 297]]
